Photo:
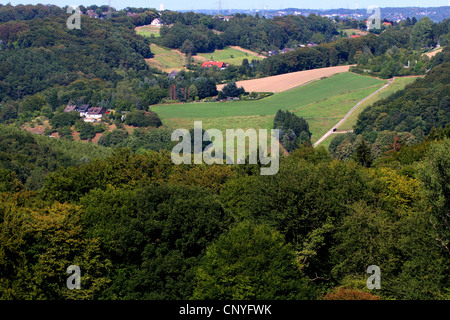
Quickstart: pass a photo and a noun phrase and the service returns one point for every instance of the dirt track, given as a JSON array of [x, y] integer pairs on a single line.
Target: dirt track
[[287, 81], [433, 53], [248, 51]]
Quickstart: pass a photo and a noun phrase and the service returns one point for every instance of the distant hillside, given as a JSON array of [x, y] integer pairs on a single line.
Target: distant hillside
[[30, 157], [53, 55]]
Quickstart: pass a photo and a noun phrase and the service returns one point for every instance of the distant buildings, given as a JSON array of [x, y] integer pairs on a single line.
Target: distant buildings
[[156, 22], [173, 74], [90, 114], [91, 14], [219, 64]]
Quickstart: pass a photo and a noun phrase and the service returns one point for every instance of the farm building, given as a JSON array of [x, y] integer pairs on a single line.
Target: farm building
[[70, 107], [95, 113], [173, 74], [83, 109], [220, 65], [156, 22]]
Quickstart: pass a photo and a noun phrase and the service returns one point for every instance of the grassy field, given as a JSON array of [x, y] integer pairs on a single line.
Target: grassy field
[[229, 55], [398, 84], [323, 103], [351, 31], [166, 59], [148, 31]]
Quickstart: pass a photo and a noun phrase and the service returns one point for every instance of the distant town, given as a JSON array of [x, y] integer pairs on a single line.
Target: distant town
[[436, 14]]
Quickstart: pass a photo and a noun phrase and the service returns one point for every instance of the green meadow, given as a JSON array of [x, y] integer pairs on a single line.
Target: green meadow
[[148, 31], [165, 58], [229, 55], [322, 103], [398, 84]]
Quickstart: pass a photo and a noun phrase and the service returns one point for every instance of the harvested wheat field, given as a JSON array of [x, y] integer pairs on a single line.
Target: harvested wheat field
[[283, 82]]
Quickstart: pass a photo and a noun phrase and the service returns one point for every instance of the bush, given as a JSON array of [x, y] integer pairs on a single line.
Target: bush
[[64, 119], [230, 90], [141, 118], [342, 293]]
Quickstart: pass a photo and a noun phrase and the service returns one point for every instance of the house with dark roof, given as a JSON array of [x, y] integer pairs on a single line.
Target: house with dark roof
[[70, 107], [95, 113], [83, 109], [219, 64], [173, 74]]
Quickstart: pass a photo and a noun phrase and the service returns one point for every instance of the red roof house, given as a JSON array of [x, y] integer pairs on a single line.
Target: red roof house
[[208, 64]]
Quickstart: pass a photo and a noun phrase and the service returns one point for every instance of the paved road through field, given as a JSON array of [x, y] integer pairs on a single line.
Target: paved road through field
[[350, 112]]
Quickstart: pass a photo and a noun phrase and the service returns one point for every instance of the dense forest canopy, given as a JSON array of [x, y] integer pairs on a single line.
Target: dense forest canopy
[[141, 227]]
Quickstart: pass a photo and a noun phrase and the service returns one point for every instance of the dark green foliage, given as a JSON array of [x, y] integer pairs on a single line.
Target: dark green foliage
[[153, 95], [9, 182], [230, 90], [249, 257], [52, 54], [64, 119], [113, 138], [435, 176], [294, 130], [155, 237], [248, 31], [30, 157], [87, 131], [363, 155], [140, 118], [149, 139]]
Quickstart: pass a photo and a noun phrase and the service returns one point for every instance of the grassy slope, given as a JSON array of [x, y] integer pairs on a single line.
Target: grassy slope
[[165, 58], [148, 30], [398, 84], [229, 55], [322, 103]]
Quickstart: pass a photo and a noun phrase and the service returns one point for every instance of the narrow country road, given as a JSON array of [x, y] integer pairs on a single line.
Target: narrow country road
[[350, 112]]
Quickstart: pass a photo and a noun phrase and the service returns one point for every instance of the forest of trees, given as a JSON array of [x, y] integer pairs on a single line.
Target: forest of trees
[[294, 130], [141, 227], [207, 33]]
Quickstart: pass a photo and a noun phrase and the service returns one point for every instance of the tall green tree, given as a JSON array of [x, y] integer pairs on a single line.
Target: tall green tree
[[250, 262], [435, 177], [422, 33]]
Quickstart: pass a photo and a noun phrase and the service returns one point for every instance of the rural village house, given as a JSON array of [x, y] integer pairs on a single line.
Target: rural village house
[[90, 114], [208, 64]]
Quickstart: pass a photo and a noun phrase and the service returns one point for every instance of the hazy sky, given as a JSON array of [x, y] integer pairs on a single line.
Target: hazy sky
[[242, 4]]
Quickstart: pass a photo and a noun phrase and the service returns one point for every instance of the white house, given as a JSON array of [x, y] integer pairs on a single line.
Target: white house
[[156, 22]]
